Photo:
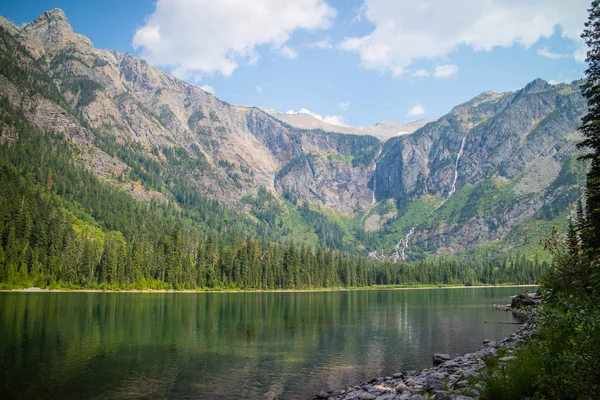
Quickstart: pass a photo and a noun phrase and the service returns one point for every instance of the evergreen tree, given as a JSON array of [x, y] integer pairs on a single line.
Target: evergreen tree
[[591, 123]]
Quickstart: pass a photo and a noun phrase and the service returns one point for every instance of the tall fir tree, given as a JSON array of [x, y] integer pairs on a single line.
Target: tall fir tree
[[591, 123]]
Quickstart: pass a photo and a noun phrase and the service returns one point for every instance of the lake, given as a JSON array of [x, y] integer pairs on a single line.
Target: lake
[[232, 345]]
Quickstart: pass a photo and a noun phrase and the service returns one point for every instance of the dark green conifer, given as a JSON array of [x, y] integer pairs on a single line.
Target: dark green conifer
[[591, 122]]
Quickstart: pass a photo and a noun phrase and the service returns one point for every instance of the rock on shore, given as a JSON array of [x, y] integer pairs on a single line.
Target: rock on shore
[[448, 379]]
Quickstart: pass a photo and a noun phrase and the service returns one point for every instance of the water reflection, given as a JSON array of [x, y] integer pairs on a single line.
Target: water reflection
[[231, 345]]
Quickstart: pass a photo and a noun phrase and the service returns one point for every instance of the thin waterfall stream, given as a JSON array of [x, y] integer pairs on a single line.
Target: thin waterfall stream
[[374, 199], [404, 241]]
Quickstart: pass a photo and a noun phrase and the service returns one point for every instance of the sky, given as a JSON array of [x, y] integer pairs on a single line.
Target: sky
[[348, 62]]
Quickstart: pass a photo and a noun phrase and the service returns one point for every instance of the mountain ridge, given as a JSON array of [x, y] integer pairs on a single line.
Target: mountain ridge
[[160, 127], [383, 130]]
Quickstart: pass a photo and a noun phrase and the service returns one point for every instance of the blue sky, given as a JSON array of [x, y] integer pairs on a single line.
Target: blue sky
[[350, 61]]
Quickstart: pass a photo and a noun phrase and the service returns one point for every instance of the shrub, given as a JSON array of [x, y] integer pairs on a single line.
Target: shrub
[[513, 379]]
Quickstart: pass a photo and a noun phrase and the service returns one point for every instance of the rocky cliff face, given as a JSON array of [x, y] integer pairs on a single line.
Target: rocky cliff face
[[487, 166], [124, 96], [517, 143]]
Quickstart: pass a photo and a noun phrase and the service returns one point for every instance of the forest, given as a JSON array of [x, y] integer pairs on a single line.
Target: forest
[[62, 227]]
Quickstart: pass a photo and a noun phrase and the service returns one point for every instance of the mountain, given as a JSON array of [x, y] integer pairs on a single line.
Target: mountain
[[500, 162], [383, 130], [493, 174]]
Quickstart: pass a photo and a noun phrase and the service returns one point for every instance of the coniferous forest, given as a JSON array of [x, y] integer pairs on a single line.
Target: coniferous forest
[[116, 176], [60, 226]]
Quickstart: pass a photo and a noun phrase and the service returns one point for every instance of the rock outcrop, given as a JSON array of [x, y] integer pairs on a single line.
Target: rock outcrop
[[488, 166]]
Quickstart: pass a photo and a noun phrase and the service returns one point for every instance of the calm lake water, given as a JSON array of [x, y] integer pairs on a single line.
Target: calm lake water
[[232, 345]]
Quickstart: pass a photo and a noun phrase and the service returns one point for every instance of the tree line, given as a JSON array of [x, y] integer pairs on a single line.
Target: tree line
[[61, 226]]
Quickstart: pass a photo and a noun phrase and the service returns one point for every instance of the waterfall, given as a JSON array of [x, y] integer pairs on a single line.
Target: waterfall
[[458, 156], [373, 199], [404, 242]]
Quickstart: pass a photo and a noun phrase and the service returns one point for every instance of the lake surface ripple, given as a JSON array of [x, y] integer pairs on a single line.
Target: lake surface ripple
[[232, 345]]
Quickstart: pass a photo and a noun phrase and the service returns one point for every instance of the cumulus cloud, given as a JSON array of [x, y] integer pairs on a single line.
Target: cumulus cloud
[[546, 52], [208, 88], [330, 119], [344, 105], [445, 71], [258, 88], [416, 111], [196, 37], [406, 31]]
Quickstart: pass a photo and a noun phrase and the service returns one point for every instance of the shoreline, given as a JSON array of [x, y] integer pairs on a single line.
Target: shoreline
[[452, 377], [368, 288]]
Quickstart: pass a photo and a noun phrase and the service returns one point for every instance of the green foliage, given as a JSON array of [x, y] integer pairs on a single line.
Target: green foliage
[[512, 379], [83, 87], [296, 162], [410, 213], [98, 63], [62, 227], [591, 127], [340, 157], [178, 156], [63, 58], [17, 65], [213, 116], [361, 150], [573, 170], [196, 117], [570, 318]]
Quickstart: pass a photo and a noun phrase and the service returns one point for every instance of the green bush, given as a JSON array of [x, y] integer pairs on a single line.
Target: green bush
[[513, 379]]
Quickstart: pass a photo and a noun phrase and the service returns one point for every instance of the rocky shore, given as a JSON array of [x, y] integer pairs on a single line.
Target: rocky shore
[[451, 378]]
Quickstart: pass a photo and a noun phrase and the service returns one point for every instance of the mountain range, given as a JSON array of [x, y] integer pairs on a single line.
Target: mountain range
[[494, 174]]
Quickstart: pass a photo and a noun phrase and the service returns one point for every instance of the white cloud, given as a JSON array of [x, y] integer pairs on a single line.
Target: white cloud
[[546, 52], [416, 111], [445, 71], [208, 88], [324, 44], [406, 31], [330, 119], [196, 37], [288, 52], [334, 120], [560, 81], [258, 88], [344, 105]]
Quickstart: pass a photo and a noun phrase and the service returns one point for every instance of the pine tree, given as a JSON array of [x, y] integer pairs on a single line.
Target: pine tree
[[591, 122]]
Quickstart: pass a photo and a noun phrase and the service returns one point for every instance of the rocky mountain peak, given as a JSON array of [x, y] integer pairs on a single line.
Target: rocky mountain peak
[[498, 163], [56, 14], [536, 86], [51, 33], [55, 19]]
